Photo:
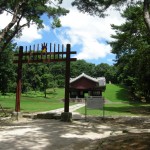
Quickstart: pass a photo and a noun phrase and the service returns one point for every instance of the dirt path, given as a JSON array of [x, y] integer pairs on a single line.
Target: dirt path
[[48, 135], [111, 134]]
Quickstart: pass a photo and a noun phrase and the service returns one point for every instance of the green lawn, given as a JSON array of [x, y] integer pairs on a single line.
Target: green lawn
[[116, 93], [119, 105], [35, 101], [119, 110]]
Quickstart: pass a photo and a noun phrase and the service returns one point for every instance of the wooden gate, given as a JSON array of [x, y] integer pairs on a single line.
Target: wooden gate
[[47, 53]]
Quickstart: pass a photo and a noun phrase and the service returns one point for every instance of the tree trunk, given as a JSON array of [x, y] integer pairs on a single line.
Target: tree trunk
[[45, 92], [146, 10], [5, 36]]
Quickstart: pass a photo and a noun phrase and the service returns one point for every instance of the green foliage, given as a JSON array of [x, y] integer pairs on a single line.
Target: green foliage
[[7, 70], [99, 7], [56, 23], [42, 76], [100, 70], [31, 10], [107, 71], [132, 48], [81, 66]]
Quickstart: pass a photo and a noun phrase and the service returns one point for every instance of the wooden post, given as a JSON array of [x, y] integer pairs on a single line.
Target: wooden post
[[67, 78], [18, 89]]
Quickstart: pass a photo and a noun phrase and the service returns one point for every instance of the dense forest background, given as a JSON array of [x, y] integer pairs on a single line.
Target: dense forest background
[[51, 75]]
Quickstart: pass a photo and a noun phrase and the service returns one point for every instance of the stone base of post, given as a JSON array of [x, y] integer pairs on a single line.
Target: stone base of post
[[16, 115], [66, 116]]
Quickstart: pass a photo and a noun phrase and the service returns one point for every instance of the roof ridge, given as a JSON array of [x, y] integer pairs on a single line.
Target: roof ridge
[[84, 75]]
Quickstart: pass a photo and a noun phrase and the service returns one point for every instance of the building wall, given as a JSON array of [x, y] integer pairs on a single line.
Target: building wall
[[83, 83]]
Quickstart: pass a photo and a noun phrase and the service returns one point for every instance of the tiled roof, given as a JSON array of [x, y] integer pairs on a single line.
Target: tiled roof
[[83, 75]]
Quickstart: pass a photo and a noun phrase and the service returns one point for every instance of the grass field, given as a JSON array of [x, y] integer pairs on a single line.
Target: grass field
[[35, 101], [119, 105], [118, 110], [117, 95]]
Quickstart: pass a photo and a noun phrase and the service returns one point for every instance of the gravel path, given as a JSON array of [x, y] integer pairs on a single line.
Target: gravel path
[[94, 134], [71, 109], [50, 134]]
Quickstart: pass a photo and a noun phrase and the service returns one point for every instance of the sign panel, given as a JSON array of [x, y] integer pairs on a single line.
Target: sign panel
[[95, 102]]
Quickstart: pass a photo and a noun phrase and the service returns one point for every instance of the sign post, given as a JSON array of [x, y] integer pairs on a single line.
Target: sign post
[[95, 102]]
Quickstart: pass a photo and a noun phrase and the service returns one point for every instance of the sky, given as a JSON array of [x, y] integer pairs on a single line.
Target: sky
[[88, 35]]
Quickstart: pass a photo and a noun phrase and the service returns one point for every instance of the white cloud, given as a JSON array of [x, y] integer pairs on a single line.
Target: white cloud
[[88, 31], [5, 19], [93, 50], [32, 33], [28, 34]]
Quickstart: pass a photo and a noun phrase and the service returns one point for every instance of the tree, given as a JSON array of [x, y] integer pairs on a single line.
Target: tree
[[7, 70], [81, 66], [46, 78], [57, 69], [107, 71], [99, 7], [31, 10], [132, 49]]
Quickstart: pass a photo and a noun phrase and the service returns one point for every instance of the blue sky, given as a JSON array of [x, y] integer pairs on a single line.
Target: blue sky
[[86, 34]]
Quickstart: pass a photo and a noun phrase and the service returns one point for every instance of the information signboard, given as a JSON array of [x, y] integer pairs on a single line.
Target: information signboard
[[95, 102]]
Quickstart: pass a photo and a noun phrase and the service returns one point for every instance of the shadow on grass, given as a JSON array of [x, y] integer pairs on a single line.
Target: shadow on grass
[[123, 93], [7, 108], [133, 109], [48, 95]]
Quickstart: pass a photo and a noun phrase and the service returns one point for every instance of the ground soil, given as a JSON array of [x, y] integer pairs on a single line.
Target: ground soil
[[135, 134], [117, 133]]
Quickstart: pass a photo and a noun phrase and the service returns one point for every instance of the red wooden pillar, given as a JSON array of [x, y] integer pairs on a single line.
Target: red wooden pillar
[[18, 89], [67, 78]]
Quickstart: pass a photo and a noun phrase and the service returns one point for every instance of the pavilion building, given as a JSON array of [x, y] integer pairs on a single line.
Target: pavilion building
[[84, 85]]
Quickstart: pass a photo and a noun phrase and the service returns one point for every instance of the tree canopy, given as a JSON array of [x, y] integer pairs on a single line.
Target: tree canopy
[[31, 11], [132, 49], [99, 7]]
